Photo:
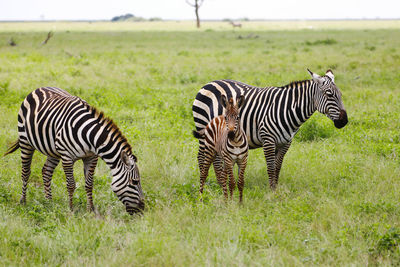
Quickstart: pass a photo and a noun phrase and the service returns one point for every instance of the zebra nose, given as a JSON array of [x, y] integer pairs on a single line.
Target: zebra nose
[[136, 209], [342, 121], [343, 115], [231, 135]]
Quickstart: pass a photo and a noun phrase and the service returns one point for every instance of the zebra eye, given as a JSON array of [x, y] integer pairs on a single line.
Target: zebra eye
[[135, 182]]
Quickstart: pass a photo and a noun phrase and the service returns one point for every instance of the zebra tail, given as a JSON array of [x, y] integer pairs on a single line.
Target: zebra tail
[[12, 148], [199, 134]]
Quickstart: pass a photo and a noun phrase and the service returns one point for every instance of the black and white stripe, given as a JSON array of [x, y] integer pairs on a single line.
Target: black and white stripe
[[65, 127], [225, 144], [272, 115]]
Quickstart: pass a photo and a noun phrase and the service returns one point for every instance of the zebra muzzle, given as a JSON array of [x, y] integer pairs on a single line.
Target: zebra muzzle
[[342, 121], [231, 135], [137, 209]]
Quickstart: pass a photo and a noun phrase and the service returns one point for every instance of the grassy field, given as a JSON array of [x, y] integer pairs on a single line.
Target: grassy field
[[338, 197]]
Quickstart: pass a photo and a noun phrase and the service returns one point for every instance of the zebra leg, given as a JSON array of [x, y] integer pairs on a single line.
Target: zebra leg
[[279, 159], [241, 169], [232, 182], [68, 166], [47, 173], [205, 166], [219, 169], [220, 173], [269, 153], [89, 164], [26, 159], [229, 171], [200, 155]]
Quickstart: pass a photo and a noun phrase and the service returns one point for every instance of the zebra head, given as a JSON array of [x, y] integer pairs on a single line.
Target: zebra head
[[328, 99], [126, 184], [232, 114]]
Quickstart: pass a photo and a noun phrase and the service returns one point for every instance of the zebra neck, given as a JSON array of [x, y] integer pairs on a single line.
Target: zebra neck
[[111, 155], [108, 145], [302, 94]]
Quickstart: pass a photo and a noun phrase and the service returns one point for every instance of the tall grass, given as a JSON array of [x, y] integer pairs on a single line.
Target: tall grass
[[337, 201]]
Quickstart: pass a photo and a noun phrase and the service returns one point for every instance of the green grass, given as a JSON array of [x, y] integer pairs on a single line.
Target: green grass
[[337, 201]]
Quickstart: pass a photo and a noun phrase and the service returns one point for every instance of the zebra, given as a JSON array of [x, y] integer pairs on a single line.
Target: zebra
[[272, 115], [65, 127], [225, 144]]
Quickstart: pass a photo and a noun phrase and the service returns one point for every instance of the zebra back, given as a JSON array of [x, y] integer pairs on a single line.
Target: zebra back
[[207, 105]]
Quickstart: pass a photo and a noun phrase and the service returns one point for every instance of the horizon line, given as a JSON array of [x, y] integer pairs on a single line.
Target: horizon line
[[204, 20]]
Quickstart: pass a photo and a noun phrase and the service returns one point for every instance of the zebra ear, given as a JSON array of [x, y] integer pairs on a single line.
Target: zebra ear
[[224, 101], [316, 78], [126, 159], [329, 73], [240, 101]]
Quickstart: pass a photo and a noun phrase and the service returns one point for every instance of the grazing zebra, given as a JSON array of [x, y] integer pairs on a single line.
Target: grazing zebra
[[65, 127], [225, 144], [272, 115]]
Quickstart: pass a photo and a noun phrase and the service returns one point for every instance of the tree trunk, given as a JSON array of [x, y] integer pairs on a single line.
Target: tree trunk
[[196, 10]]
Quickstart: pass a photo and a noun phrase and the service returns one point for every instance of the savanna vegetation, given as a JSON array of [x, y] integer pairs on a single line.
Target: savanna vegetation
[[338, 198]]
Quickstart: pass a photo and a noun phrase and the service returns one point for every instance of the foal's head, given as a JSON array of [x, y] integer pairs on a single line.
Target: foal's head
[[232, 114]]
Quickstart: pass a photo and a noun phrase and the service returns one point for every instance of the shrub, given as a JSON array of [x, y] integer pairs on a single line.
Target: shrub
[[327, 41]]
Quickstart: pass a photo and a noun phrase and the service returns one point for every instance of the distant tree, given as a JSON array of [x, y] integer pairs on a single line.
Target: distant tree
[[122, 17], [196, 4]]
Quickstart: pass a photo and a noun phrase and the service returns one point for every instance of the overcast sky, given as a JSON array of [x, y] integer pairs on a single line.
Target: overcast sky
[[211, 9]]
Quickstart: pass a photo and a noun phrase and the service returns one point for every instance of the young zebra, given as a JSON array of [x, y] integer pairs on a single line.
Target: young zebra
[[65, 127], [272, 115], [225, 144]]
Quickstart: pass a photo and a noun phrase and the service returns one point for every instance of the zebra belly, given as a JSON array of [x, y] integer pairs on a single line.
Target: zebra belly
[[236, 153]]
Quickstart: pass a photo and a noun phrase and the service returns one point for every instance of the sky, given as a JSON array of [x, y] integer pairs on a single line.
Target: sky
[[211, 9]]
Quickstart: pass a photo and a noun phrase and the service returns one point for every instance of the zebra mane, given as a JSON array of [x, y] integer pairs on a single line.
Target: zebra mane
[[111, 126], [294, 83]]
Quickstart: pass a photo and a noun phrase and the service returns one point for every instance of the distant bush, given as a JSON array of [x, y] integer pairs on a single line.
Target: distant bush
[[155, 19], [328, 41], [370, 48], [130, 17], [123, 17]]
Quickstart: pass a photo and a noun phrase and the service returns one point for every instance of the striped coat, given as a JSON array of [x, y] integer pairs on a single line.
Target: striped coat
[[225, 144], [65, 127], [272, 115]]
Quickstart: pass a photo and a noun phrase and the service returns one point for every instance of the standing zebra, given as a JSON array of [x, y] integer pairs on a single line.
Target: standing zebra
[[272, 115], [225, 144], [65, 127]]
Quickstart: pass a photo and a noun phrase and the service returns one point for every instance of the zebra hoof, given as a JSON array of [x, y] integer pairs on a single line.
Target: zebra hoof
[[91, 209], [22, 201]]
